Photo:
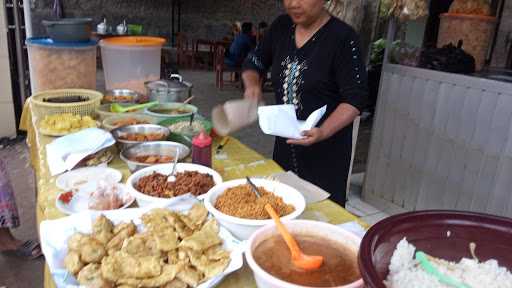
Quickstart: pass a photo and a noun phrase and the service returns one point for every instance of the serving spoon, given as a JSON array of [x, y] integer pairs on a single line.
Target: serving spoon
[[299, 259], [171, 177], [116, 108]]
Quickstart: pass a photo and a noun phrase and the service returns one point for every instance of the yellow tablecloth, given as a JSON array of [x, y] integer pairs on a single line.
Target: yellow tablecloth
[[237, 161]]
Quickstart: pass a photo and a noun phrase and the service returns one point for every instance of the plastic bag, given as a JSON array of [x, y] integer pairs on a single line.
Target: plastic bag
[[106, 196], [449, 58]]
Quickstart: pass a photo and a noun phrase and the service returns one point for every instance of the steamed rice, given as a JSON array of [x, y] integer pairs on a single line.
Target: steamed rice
[[405, 272]]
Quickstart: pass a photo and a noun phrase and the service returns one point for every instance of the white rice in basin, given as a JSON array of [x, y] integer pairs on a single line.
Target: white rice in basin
[[405, 272]]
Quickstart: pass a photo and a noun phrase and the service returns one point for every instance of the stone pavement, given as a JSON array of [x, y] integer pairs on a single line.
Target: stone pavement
[[16, 273]]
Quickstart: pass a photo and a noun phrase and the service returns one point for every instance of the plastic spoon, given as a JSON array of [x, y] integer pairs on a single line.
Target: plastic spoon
[[116, 108], [299, 259], [171, 177], [423, 259]]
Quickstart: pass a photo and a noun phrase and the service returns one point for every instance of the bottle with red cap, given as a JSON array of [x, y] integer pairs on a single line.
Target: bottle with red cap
[[202, 149]]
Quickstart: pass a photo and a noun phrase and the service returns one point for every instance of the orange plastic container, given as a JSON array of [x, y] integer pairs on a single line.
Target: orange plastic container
[[130, 61]]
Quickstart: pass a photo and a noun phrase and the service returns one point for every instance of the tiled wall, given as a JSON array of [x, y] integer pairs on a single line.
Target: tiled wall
[[7, 120]]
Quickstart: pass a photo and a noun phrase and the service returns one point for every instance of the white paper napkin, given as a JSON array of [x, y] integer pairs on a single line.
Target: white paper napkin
[[310, 191], [354, 227], [65, 152], [281, 120]]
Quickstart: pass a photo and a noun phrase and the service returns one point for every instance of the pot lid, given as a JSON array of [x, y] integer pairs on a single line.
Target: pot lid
[[44, 41], [175, 83]]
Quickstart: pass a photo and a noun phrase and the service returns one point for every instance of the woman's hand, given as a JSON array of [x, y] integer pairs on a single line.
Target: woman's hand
[[311, 137]]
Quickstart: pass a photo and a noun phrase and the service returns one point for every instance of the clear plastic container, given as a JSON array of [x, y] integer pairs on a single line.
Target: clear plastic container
[[130, 61], [57, 65]]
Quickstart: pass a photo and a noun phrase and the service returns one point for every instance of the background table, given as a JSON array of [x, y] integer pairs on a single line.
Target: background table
[[236, 161]]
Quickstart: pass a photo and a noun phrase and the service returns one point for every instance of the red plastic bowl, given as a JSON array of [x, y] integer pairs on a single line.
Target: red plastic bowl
[[442, 234]]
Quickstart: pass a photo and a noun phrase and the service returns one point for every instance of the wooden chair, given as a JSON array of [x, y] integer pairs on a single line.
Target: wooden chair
[[220, 68], [185, 56], [203, 47]]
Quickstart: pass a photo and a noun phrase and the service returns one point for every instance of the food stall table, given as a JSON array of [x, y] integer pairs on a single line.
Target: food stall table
[[237, 161]]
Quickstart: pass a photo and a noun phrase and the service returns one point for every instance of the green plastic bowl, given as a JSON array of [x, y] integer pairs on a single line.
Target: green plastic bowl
[[182, 138]]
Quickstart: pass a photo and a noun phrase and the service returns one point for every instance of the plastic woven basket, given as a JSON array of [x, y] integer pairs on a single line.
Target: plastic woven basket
[[41, 108]]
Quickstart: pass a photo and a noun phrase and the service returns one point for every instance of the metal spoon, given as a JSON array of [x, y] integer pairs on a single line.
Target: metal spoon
[[299, 259], [171, 177]]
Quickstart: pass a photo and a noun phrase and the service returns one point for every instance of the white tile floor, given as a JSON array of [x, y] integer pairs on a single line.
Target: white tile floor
[[358, 207]]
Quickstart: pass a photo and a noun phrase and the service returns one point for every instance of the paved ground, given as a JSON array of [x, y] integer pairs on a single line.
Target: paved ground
[[15, 273]]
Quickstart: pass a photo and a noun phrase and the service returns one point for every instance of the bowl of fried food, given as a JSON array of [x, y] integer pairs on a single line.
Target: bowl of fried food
[[151, 153], [64, 124], [238, 208], [120, 96], [117, 121], [152, 184], [131, 135], [139, 248], [104, 111]]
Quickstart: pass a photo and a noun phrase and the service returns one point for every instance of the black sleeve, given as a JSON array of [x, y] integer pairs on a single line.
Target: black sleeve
[[350, 72], [260, 59]]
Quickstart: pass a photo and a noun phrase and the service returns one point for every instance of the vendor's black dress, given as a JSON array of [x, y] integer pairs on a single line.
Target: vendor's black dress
[[326, 70]]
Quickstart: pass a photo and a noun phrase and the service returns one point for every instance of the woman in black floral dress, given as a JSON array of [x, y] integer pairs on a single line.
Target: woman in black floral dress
[[315, 60]]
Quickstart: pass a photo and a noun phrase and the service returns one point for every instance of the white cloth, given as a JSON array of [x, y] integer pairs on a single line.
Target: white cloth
[[65, 152], [281, 120]]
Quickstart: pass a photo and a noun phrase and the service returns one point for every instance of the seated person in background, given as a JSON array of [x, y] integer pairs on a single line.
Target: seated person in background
[[241, 46], [262, 28]]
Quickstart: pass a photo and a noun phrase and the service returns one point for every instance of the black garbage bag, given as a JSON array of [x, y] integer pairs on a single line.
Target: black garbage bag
[[449, 58]]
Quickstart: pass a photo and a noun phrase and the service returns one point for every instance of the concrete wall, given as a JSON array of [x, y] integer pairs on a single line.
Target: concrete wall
[[209, 19], [7, 118]]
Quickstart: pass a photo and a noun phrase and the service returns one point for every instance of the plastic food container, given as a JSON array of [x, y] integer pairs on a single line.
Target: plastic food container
[[129, 62], [243, 228], [304, 227], [60, 65], [442, 234]]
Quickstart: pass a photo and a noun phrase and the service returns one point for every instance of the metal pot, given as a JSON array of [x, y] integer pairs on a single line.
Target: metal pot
[[172, 90]]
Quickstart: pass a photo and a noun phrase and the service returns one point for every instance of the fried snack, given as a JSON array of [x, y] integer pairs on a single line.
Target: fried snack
[[166, 239], [168, 274], [205, 238], [102, 230], [216, 252], [62, 124], [176, 283], [76, 240], [72, 262], [174, 250], [121, 233], [190, 276], [139, 137], [195, 217], [140, 245], [92, 251], [152, 159], [128, 121], [90, 277], [241, 202]]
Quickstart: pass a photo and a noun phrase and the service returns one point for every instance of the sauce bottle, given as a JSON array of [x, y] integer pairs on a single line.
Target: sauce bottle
[[202, 149]]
